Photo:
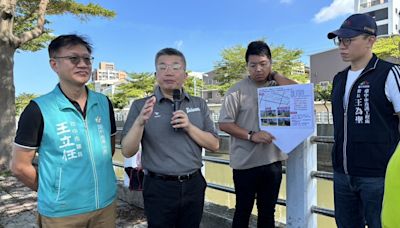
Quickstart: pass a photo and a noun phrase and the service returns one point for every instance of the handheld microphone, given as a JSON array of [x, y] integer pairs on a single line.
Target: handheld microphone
[[176, 98]]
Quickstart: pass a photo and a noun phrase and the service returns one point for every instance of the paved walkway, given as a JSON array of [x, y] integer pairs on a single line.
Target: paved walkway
[[18, 207]]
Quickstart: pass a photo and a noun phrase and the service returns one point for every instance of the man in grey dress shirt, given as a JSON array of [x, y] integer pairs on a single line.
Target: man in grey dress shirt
[[172, 142]]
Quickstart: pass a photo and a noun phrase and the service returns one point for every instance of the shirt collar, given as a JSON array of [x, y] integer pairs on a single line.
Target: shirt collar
[[86, 88], [159, 95], [64, 102], [370, 66]]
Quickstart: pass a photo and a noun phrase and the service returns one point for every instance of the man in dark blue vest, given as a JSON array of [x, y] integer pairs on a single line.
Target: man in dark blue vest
[[366, 108]]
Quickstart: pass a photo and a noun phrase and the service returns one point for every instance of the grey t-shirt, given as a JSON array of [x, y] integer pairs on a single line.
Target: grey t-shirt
[[240, 106], [164, 150]]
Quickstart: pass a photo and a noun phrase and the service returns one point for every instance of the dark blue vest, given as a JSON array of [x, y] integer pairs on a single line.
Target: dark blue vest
[[367, 134]]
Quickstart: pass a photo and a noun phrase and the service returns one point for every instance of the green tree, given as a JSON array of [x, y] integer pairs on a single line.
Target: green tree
[[23, 26], [139, 85], [142, 84], [119, 100], [232, 67], [90, 86], [300, 78], [285, 60], [388, 47], [22, 100], [323, 93]]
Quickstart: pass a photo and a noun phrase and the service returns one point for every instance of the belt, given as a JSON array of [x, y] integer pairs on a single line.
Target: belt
[[180, 178]]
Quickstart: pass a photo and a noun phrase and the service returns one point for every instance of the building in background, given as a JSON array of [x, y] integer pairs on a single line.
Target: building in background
[[299, 69], [385, 13], [106, 78], [324, 65], [212, 96]]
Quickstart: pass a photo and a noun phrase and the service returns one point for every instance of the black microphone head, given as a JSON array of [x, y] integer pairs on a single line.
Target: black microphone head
[[176, 94]]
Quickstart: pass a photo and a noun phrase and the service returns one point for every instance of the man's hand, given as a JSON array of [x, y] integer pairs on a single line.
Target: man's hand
[[180, 120], [146, 111], [203, 138], [262, 137], [130, 143]]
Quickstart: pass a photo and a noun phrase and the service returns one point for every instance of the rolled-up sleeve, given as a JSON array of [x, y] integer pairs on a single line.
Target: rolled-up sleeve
[[230, 107], [132, 115]]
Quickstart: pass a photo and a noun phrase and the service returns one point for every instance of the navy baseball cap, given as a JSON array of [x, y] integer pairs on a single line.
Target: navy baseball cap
[[355, 25]]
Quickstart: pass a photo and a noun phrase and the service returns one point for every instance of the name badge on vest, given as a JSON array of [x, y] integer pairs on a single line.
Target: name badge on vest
[[103, 140], [362, 113]]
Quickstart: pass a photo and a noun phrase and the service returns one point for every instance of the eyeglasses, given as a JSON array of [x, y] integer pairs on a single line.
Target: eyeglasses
[[173, 67], [261, 64], [88, 60], [345, 41]]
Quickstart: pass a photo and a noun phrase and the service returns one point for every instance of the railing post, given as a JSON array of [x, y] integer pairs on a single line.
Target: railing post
[[301, 188]]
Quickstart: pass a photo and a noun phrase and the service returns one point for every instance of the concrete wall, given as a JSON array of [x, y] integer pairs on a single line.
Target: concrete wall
[[324, 150], [325, 65]]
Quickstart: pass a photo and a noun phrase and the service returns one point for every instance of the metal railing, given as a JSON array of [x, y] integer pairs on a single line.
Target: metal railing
[[223, 188], [315, 174]]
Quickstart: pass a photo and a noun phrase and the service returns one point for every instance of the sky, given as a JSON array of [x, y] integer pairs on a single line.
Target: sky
[[200, 29]]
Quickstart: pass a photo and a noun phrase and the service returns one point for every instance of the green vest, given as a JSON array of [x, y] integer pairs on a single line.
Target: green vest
[[76, 174], [391, 197]]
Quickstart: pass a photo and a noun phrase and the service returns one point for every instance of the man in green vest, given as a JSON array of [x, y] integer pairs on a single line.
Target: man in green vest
[[73, 130]]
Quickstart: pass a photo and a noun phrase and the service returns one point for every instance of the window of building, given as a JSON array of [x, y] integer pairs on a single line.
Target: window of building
[[383, 30], [370, 3], [209, 95], [378, 15]]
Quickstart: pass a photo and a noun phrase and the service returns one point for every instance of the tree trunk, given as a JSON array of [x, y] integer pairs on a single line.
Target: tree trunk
[[7, 106]]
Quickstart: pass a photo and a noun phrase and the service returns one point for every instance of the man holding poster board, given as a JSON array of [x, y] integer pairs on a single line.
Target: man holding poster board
[[256, 161]]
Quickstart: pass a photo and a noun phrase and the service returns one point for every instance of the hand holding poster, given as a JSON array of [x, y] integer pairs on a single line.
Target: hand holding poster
[[287, 112]]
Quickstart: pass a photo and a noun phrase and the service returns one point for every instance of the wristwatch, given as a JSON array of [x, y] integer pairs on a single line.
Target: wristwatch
[[249, 135]]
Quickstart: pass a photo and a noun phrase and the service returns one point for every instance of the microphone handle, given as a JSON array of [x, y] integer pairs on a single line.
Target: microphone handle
[[176, 108]]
